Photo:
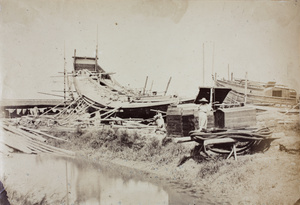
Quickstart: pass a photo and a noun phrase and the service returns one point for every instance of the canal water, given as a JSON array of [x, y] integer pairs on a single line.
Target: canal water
[[61, 180]]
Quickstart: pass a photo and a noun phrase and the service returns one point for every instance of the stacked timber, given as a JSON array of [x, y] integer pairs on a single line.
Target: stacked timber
[[238, 117], [27, 140], [182, 119]]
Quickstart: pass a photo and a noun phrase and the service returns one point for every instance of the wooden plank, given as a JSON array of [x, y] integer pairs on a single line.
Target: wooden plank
[[38, 149], [218, 141], [240, 122], [5, 149], [42, 133], [52, 148], [184, 141], [239, 114], [10, 140], [190, 112], [21, 132], [29, 143], [247, 117]]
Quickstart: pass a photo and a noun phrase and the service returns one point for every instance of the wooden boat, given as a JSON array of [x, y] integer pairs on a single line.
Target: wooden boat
[[100, 89], [259, 93]]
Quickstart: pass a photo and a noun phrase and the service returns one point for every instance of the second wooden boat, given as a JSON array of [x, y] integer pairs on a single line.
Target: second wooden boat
[[259, 93]]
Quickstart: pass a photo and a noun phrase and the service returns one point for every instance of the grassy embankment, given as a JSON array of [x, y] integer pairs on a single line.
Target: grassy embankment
[[260, 178]]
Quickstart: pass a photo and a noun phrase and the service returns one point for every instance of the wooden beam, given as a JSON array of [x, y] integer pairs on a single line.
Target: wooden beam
[[168, 86], [145, 85]]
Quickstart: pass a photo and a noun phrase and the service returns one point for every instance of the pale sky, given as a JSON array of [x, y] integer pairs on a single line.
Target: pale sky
[[155, 38]]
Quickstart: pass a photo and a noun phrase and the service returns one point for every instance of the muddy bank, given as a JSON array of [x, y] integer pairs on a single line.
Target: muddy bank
[[50, 179]]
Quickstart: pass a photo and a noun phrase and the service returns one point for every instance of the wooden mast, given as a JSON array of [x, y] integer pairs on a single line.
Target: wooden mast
[[212, 89], [213, 58], [74, 58], [203, 78], [96, 58], [228, 73], [168, 86], [151, 87], [145, 85], [64, 75], [246, 84]]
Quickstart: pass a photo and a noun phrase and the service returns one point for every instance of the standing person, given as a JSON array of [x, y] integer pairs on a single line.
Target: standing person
[[204, 108]]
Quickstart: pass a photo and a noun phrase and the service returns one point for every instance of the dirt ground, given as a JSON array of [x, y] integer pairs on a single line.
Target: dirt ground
[[272, 177]]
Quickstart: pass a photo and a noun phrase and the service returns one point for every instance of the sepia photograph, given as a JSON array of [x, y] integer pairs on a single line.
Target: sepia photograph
[[149, 102]]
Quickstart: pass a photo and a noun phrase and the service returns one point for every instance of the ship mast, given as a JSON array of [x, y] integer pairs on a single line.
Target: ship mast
[[64, 75], [246, 85], [96, 58], [212, 89], [145, 85], [203, 81], [168, 85]]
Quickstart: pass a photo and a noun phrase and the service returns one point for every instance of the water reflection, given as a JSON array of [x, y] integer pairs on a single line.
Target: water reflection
[[77, 181], [90, 183]]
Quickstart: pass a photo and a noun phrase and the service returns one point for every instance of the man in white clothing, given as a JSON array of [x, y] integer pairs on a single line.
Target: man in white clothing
[[204, 109]]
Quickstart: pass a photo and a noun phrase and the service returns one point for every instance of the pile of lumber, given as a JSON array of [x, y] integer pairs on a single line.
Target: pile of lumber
[[27, 140]]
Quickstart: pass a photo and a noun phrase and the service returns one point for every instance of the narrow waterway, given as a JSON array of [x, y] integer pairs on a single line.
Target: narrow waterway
[[61, 180]]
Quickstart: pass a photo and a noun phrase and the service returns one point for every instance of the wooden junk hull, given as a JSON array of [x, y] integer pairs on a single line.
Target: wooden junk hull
[[104, 92], [261, 94], [100, 97]]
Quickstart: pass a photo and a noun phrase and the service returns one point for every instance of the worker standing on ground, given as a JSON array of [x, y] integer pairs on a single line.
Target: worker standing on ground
[[204, 109]]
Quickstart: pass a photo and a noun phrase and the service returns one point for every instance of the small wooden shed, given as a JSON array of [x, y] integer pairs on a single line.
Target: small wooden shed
[[237, 117]]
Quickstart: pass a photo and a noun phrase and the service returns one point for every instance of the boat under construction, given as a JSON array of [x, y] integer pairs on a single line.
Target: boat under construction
[[99, 89], [259, 93]]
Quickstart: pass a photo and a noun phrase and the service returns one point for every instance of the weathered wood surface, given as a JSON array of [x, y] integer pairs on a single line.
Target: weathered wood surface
[[218, 141], [42, 133], [235, 117], [4, 149], [180, 125], [13, 138]]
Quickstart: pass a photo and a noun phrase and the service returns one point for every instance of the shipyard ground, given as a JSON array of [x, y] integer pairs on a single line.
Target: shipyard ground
[[272, 177]]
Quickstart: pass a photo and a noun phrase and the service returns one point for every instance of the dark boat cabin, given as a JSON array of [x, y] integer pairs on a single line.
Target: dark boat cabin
[[218, 95]]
